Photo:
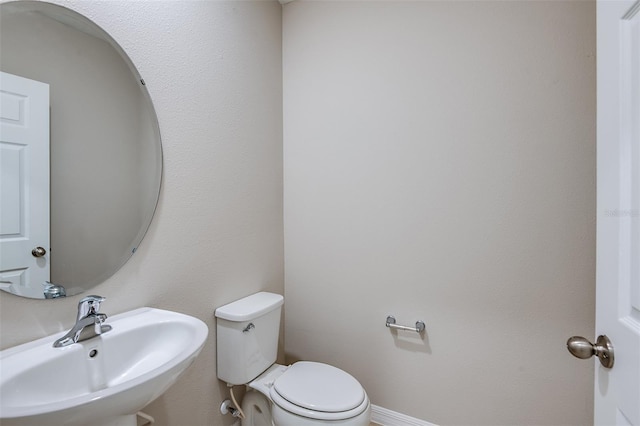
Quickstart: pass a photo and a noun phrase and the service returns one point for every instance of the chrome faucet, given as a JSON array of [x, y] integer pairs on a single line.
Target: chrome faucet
[[89, 323]]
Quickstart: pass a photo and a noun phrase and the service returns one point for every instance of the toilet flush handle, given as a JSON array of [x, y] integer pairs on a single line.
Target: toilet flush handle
[[248, 327]]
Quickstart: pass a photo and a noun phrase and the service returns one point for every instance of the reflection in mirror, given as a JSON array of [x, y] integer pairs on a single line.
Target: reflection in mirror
[[104, 147]]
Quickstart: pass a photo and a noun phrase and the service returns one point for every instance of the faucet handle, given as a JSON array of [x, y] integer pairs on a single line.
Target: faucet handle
[[89, 305]]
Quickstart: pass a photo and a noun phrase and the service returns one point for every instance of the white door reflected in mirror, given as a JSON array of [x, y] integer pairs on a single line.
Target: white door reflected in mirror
[[24, 184]]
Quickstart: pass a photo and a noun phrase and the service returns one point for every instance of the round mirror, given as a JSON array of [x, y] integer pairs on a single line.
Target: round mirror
[[80, 152]]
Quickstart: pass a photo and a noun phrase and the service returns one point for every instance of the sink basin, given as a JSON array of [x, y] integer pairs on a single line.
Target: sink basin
[[101, 381]]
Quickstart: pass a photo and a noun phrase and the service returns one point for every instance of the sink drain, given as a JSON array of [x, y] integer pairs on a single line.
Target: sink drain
[[93, 353]]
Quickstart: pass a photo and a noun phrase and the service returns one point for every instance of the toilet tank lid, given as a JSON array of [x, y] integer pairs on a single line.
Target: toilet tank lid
[[250, 307]]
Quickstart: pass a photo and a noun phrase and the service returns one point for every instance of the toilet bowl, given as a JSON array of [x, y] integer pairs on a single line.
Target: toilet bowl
[[257, 409], [302, 394], [307, 393]]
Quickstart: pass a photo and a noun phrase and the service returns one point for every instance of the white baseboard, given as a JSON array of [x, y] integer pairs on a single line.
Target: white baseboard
[[385, 417]]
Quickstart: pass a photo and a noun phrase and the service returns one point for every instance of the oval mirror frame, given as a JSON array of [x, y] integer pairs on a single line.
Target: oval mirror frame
[[106, 176]]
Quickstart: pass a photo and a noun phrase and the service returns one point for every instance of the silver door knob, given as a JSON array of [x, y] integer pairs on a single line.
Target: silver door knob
[[584, 349], [38, 252]]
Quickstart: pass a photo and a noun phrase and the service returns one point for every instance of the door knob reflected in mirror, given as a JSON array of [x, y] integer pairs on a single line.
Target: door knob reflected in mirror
[[584, 349], [38, 252]]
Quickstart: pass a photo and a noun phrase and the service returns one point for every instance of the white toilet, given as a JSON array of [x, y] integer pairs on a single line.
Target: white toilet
[[302, 394]]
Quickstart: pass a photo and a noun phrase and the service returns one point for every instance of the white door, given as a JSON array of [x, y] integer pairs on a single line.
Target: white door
[[617, 390], [24, 184]]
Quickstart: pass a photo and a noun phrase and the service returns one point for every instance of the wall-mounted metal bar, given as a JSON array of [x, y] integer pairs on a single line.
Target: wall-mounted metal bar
[[391, 323]]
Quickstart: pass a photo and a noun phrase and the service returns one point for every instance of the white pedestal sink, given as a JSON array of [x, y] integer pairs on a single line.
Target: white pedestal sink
[[102, 381]]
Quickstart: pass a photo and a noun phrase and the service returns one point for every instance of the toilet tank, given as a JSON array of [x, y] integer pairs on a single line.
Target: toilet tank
[[247, 337]]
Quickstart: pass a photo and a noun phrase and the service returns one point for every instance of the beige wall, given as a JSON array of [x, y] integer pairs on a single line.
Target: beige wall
[[440, 165], [213, 70]]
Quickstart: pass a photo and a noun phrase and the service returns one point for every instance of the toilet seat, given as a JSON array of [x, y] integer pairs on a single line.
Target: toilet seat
[[319, 391]]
